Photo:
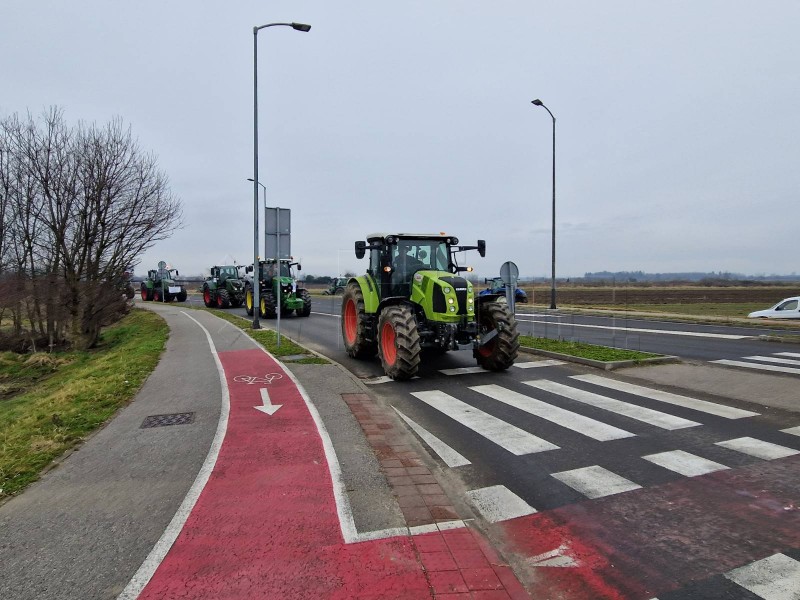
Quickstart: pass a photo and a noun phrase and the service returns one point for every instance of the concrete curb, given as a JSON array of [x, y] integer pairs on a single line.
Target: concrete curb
[[601, 364]]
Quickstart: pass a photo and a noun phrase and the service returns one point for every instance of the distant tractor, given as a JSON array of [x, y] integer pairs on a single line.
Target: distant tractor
[[336, 287], [412, 298], [497, 287], [272, 285], [224, 287], [161, 285]]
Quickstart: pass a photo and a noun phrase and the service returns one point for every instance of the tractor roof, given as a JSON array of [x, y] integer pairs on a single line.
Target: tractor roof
[[425, 236]]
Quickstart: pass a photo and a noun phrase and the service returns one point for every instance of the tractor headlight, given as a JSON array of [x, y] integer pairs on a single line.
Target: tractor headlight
[[452, 309], [447, 290], [470, 301], [451, 301]]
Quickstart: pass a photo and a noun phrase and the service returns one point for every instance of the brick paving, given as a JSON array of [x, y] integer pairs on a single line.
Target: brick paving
[[459, 563]]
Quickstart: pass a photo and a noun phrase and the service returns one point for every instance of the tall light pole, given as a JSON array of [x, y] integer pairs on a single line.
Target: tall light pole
[[538, 102], [264, 189], [296, 27]]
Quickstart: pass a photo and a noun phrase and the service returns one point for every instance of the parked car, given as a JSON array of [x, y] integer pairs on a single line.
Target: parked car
[[498, 287], [788, 308]]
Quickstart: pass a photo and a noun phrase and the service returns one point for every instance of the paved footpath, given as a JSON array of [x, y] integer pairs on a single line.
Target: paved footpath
[[254, 503]]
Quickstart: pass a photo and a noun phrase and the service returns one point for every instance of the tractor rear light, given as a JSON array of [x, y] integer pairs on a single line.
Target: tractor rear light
[[387, 269]]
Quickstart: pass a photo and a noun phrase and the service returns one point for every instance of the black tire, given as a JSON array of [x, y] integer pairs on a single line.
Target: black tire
[[398, 342], [306, 298], [501, 352], [248, 301], [268, 309], [354, 327], [168, 297], [181, 297], [208, 297], [236, 301], [223, 298], [339, 292], [147, 294]]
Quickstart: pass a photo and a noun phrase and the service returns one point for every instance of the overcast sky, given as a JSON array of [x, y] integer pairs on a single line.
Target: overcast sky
[[677, 134]]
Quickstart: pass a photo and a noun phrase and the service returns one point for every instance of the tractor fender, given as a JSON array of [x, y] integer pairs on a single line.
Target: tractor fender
[[211, 284], [394, 301], [370, 292]]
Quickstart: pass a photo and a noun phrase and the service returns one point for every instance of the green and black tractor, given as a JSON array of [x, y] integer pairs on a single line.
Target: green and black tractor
[[272, 285], [162, 285], [224, 288], [413, 298], [336, 287]]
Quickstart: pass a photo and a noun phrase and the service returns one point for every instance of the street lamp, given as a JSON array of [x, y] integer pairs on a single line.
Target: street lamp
[[538, 102], [296, 27]]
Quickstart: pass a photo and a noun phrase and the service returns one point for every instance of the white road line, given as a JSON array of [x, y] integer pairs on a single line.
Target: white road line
[[719, 410], [792, 430], [596, 482], [758, 448], [498, 503], [757, 366], [684, 463], [450, 456], [539, 363], [794, 354], [513, 439], [596, 430], [721, 336], [776, 577], [773, 359], [463, 371], [632, 411]]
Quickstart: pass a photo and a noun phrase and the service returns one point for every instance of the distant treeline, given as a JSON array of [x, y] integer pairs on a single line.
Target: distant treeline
[[707, 278]]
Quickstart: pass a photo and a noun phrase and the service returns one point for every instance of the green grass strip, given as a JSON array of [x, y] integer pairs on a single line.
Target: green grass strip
[[583, 350], [61, 398]]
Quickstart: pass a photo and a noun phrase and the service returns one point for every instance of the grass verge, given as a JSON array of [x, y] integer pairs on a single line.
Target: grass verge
[[53, 401], [269, 339], [582, 350]]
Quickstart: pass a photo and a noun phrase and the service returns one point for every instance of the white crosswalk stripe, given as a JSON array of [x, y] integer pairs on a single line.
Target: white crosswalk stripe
[[451, 457], [596, 482], [684, 463], [757, 366], [775, 359], [463, 371], [498, 503], [515, 440], [776, 577], [539, 363], [792, 354], [632, 411], [758, 448], [565, 418], [792, 430], [712, 408]]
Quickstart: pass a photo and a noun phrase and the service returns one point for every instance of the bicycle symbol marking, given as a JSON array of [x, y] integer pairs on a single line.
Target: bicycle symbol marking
[[251, 379]]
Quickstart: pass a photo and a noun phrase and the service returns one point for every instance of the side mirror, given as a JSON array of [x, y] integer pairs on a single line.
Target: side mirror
[[482, 247], [176, 273], [361, 249], [248, 269], [299, 268]]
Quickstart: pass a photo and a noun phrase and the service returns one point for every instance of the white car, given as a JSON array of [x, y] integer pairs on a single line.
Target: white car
[[788, 308]]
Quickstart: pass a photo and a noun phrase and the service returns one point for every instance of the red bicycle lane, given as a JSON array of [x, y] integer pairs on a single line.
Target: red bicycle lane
[[266, 523]]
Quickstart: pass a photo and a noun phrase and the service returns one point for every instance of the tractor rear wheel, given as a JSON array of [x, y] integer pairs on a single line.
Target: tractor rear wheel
[[354, 328], [146, 293], [501, 351], [398, 342], [156, 295], [248, 301], [208, 297], [267, 302], [181, 297], [223, 298], [306, 298]]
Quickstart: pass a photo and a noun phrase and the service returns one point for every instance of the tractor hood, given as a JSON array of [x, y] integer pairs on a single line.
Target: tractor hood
[[447, 296]]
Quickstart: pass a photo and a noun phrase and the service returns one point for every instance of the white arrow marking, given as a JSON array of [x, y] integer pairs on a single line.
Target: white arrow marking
[[268, 407], [554, 558]]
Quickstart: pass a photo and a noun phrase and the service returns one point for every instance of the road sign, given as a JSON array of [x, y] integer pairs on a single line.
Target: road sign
[[278, 231], [509, 273]]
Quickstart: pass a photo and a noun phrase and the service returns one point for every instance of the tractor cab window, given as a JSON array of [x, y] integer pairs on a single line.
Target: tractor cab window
[[410, 256], [228, 272]]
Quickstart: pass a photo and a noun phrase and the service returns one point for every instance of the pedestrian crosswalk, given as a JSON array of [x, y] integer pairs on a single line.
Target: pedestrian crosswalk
[[778, 362], [535, 414]]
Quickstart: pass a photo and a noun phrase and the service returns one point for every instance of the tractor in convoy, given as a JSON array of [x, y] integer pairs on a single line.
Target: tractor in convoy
[[413, 298], [224, 287], [336, 287], [161, 285], [498, 288], [272, 285]]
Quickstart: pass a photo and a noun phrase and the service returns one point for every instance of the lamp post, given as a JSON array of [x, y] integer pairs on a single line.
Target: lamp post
[[538, 102], [264, 188], [296, 27]]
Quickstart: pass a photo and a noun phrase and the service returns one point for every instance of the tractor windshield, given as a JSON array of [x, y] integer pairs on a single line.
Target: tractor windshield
[[228, 272], [412, 255]]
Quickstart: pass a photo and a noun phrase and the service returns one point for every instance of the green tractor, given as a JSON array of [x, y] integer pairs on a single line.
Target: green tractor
[[224, 287], [412, 298], [293, 298], [336, 287], [161, 285]]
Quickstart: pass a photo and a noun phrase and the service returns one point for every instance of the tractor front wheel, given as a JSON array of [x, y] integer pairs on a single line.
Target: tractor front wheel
[[156, 295], [501, 351], [223, 298], [181, 297], [248, 301], [398, 342], [354, 327], [267, 302], [306, 298], [208, 297]]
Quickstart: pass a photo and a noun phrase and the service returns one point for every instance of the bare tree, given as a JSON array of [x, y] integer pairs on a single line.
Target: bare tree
[[81, 204]]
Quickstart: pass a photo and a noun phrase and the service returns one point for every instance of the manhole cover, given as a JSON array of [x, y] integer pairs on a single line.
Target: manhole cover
[[165, 420]]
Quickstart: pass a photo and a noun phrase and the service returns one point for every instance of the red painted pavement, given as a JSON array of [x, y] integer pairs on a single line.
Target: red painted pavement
[[266, 525], [639, 544]]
